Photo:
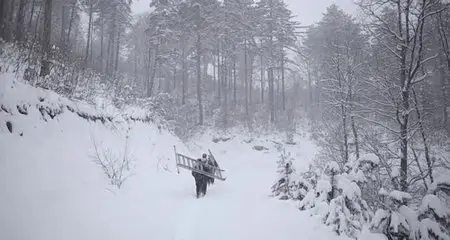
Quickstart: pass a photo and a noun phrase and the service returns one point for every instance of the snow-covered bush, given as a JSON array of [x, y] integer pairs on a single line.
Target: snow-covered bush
[[301, 184], [434, 219], [317, 197], [282, 187], [365, 171], [337, 200], [290, 184], [441, 184], [399, 221]]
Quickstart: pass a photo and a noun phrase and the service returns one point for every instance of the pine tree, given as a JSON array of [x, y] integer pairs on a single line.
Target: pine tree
[[282, 188]]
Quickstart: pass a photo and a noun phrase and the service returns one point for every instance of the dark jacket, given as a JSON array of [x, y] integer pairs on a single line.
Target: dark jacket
[[201, 166]]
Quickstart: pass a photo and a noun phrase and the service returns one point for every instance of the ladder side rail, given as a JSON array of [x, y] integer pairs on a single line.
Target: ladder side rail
[[202, 172]]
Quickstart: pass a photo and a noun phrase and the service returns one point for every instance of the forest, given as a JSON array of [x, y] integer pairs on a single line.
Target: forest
[[374, 89]]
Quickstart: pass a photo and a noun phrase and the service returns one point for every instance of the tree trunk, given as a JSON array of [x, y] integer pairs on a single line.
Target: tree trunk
[[153, 72], [108, 52], [225, 90], [416, 158], [147, 56], [424, 137], [262, 77], [219, 75], [250, 81], [444, 40], [343, 111], [183, 73], [277, 95], [91, 5], [45, 60], [444, 93], [199, 81], [352, 122], [91, 44], [20, 20], [403, 117], [102, 30], [344, 132], [355, 136], [8, 27], [270, 69], [72, 17], [271, 95], [234, 82], [30, 23], [310, 93], [35, 35], [246, 77], [160, 77], [214, 72], [63, 27], [205, 68], [3, 6], [6, 14], [116, 65], [403, 122], [282, 80]]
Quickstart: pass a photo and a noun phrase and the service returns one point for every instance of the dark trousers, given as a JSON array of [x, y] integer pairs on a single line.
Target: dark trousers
[[200, 186]]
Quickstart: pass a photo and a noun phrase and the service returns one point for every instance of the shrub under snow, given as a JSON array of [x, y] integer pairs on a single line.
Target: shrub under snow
[[434, 219], [283, 187], [337, 200], [399, 221]]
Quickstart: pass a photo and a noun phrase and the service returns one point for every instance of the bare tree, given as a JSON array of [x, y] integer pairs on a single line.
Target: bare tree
[[403, 37]]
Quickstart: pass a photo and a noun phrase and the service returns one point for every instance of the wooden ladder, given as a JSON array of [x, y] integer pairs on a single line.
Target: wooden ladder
[[189, 163]]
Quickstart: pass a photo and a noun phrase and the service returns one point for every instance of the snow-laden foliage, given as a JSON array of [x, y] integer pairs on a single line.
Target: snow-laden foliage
[[399, 221], [365, 172], [283, 186], [434, 218], [337, 200], [316, 196], [399, 196], [302, 183], [441, 183], [392, 221], [340, 218], [291, 184]]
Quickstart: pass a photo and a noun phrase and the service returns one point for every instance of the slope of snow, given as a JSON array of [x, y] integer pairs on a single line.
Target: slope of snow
[[52, 189]]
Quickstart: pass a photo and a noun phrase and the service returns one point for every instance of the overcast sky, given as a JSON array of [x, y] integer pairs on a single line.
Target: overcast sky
[[307, 11]]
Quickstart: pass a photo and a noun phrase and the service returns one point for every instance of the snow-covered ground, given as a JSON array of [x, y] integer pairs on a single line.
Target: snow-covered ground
[[51, 188]]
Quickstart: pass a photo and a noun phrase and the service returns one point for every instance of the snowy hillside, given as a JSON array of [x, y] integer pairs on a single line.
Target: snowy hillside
[[51, 185], [52, 188]]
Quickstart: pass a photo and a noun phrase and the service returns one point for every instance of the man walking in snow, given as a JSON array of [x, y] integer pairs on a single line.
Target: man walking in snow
[[200, 179]]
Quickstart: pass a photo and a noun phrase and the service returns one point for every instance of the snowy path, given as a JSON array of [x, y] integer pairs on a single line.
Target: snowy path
[[56, 195], [238, 208]]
